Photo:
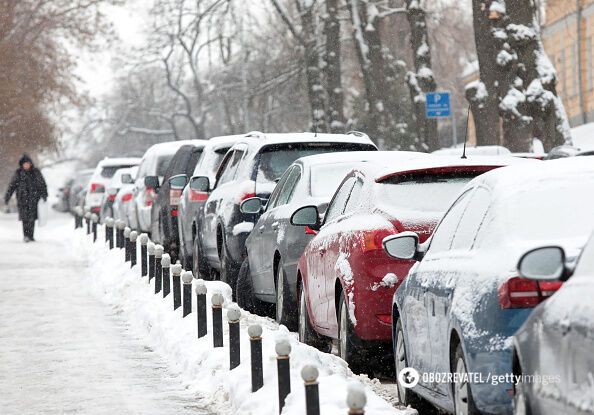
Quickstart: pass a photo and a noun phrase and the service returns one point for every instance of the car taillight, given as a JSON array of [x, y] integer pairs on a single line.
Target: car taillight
[[247, 190], [174, 213], [127, 197], [520, 292], [97, 188], [384, 318], [174, 196], [111, 198], [196, 196], [371, 240], [149, 196], [96, 209]]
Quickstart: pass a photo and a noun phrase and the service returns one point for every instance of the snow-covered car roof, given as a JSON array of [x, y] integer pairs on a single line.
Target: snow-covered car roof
[[116, 180], [170, 147], [474, 151], [276, 138], [119, 161], [223, 141], [360, 156], [441, 162]]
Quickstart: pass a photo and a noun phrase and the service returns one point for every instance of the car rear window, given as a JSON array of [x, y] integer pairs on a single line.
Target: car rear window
[[275, 159], [424, 192], [109, 171], [324, 179], [162, 164]]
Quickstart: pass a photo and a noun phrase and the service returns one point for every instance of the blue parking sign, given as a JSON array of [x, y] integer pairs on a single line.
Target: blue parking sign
[[438, 105]]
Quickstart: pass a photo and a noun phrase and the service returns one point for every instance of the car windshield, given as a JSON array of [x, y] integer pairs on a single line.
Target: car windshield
[[275, 159], [109, 171], [162, 164], [324, 179], [423, 192]]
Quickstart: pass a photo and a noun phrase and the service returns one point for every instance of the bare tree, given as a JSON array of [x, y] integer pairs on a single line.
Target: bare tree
[[333, 68]]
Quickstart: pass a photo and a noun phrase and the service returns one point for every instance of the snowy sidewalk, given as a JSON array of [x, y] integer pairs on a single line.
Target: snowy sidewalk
[[62, 350]]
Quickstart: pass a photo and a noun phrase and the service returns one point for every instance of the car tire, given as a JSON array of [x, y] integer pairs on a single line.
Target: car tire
[[199, 264], [245, 292], [305, 330], [406, 396], [349, 345], [462, 393], [286, 309], [521, 401]]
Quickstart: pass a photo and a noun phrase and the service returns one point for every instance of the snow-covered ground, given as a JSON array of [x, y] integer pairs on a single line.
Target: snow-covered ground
[[583, 137], [83, 333]]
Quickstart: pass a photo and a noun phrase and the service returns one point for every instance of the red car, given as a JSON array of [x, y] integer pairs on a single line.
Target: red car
[[345, 279]]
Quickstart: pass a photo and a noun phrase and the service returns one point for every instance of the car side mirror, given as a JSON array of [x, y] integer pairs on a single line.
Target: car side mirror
[[127, 179], [546, 264], [151, 182], [306, 216], [403, 246], [178, 182], [200, 184], [251, 205]]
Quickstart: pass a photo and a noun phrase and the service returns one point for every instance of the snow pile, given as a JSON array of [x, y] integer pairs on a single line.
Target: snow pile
[[205, 370], [243, 227]]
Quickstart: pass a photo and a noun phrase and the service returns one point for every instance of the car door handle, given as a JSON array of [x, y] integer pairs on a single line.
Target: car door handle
[[322, 251], [275, 226], [261, 228], [433, 307]]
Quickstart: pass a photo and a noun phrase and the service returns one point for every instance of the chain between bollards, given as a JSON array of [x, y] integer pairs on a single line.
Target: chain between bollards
[[88, 222], [143, 254], [127, 231], [109, 223], [187, 279], [283, 364], [201, 308], [158, 269], [165, 265], [133, 248], [233, 316], [176, 271], [151, 261], [356, 399], [217, 319], [94, 221], [310, 374], [255, 333]]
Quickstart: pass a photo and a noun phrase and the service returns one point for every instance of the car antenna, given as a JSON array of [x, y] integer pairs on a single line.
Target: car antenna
[[466, 134], [315, 128]]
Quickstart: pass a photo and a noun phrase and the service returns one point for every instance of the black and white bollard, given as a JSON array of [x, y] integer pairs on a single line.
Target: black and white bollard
[[78, 217], [109, 222], [143, 254], [127, 231], [255, 333], [133, 248], [94, 222], [165, 265], [88, 222], [150, 247], [283, 364], [201, 308], [233, 316], [176, 271], [120, 226], [217, 319], [187, 279], [158, 269], [356, 399], [310, 374]]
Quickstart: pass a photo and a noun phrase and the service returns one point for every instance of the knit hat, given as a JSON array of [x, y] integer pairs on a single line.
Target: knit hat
[[25, 159]]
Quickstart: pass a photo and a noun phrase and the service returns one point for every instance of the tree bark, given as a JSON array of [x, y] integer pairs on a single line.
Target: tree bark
[[333, 68]]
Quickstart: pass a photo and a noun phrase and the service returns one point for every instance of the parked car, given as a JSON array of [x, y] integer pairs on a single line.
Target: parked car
[[473, 151], [251, 168], [269, 273], [552, 352], [78, 188], [152, 168], [346, 281], [62, 204], [190, 209], [101, 177], [459, 306], [165, 208], [123, 185]]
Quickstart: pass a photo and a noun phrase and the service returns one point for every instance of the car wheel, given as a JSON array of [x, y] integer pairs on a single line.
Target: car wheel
[[405, 395], [347, 339], [462, 393], [199, 265], [306, 332], [286, 312], [228, 270], [521, 403], [245, 292]]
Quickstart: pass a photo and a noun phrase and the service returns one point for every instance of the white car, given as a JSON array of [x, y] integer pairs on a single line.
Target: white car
[[101, 177], [152, 167], [123, 185]]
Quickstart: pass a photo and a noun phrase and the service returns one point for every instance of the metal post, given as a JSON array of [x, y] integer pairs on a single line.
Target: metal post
[[158, 269], [187, 279], [143, 254], [88, 222], [109, 222], [165, 264], [233, 316], [356, 399], [201, 308], [127, 231], [151, 261], [176, 271], [310, 374], [94, 221], [106, 232], [78, 217], [255, 333], [133, 248], [283, 364], [217, 319], [120, 226]]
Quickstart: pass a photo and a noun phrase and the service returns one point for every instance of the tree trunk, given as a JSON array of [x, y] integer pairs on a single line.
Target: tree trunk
[[333, 69]]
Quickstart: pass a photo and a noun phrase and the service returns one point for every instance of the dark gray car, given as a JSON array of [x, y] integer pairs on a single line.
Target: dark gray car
[[552, 354], [269, 273]]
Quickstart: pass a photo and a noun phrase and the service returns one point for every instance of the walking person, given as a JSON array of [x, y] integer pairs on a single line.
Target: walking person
[[29, 185]]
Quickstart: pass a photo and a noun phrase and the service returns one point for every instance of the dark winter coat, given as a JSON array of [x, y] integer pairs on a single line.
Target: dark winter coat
[[29, 187]]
